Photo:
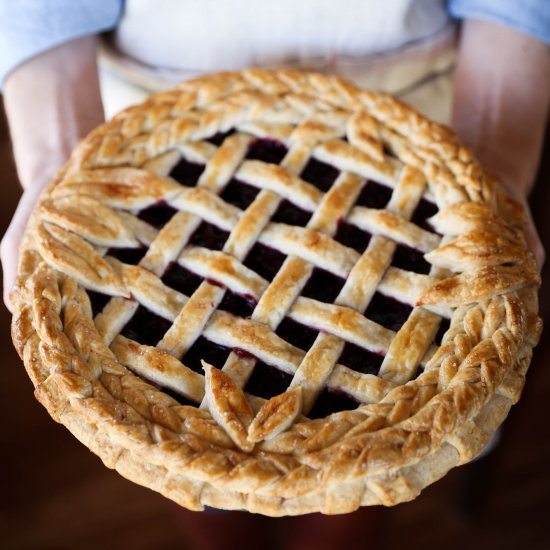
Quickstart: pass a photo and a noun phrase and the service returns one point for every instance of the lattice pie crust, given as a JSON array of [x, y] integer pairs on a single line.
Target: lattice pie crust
[[264, 222]]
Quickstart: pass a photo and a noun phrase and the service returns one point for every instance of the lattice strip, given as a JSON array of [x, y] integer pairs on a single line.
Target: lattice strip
[[175, 234], [308, 197], [313, 374], [295, 272], [284, 288], [409, 346], [196, 312]]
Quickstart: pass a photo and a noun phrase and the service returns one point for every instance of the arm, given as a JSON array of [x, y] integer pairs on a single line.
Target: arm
[[51, 102], [501, 104]]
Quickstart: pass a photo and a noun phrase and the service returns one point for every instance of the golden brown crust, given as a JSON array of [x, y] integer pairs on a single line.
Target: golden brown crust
[[245, 453]]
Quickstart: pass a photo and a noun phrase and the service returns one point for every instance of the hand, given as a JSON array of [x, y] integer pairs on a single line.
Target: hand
[[532, 235], [500, 106], [533, 239], [45, 125], [9, 248]]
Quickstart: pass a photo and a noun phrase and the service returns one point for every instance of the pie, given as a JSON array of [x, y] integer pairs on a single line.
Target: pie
[[277, 292]]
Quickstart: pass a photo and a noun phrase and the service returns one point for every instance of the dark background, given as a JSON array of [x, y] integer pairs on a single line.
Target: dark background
[[54, 493]]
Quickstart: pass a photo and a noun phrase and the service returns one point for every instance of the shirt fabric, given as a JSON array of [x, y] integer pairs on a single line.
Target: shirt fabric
[[29, 27], [209, 35]]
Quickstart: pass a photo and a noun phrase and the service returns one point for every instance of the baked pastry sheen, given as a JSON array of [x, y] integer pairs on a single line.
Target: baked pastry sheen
[[275, 291]]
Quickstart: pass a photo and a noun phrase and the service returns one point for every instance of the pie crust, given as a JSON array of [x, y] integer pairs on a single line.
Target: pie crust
[[198, 436]]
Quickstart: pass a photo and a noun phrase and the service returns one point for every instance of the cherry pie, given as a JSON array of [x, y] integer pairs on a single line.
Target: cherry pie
[[277, 292]]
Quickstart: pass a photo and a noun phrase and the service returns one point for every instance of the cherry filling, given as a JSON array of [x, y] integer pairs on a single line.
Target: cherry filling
[[267, 381], [209, 236], [187, 173], [131, 256], [181, 279], [98, 301], [157, 215], [219, 138], [186, 282], [267, 150], [387, 312], [388, 152], [146, 327], [323, 286], [374, 195], [360, 359], [239, 193], [290, 214], [320, 174], [350, 235], [410, 259], [443, 328], [296, 334], [330, 401], [207, 351], [423, 211], [241, 306], [264, 260]]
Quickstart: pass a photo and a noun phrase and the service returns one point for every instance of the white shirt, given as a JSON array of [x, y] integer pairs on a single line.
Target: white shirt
[[384, 44]]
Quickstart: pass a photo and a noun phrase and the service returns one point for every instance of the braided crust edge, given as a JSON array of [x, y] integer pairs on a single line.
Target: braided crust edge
[[381, 453]]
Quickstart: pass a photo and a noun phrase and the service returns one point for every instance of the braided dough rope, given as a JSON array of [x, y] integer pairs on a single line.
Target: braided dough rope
[[409, 432]]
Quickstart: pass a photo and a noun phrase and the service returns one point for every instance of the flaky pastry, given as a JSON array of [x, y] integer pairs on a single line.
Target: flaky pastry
[[277, 292]]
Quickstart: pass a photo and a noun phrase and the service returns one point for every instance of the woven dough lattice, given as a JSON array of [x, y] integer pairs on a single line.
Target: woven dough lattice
[[274, 291]]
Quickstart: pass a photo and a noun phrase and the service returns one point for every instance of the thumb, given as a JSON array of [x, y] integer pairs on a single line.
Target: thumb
[[9, 248]]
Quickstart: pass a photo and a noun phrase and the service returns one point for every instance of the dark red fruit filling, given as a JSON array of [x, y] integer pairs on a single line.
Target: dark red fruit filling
[[323, 286], [423, 211], [267, 150], [186, 282], [98, 301], [410, 259], [388, 152], [267, 381], [387, 312], [131, 256], [242, 195], [239, 193], [207, 351], [146, 327], [209, 236], [330, 402], [296, 334], [240, 306], [157, 215], [443, 328], [350, 235], [187, 173], [374, 195], [264, 260], [181, 279], [320, 174], [360, 359], [290, 214], [219, 138]]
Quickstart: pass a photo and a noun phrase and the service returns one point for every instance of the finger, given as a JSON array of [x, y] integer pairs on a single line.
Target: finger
[[533, 240], [538, 251], [9, 248]]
